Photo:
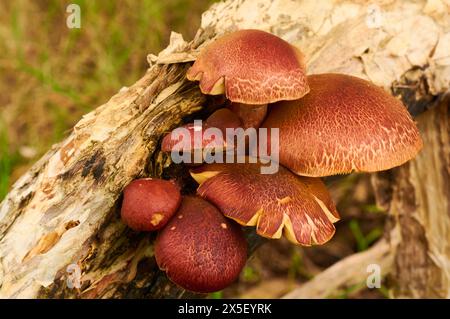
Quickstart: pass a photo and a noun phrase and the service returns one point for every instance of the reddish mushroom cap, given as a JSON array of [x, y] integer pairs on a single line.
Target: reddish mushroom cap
[[299, 206], [190, 137], [200, 249], [220, 119], [250, 115], [148, 204], [223, 119], [344, 124], [251, 67]]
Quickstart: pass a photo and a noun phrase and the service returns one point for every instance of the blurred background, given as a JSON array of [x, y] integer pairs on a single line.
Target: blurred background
[[51, 75]]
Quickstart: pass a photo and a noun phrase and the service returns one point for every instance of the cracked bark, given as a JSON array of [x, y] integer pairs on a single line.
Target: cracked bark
[[417, 196], [64, 210]]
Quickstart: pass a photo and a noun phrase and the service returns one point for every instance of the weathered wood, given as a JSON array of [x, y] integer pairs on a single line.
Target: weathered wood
[[347, 272], [63, 211], [418, 198]]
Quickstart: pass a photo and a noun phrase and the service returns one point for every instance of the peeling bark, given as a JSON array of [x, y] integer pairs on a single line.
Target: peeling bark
[[79, 181], [418, 198]]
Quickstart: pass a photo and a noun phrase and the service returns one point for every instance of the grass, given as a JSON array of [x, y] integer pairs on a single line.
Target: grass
[[351, 291], [216, 295], [249, 274], [52, 75], [363, 241], [7, 162], [297, 268]]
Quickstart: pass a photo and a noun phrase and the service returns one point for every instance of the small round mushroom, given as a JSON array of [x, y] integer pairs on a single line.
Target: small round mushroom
[[301, 207], [220, 119], [223, 119], [148, 203], [199, 249], [252, 68], [344, 124]]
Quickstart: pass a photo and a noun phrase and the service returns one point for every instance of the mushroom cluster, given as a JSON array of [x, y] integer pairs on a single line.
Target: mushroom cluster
[[198, 247], [326, 124]]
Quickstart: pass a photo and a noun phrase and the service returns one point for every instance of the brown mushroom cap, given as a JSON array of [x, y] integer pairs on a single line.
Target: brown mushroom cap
[[301, 206], [200, 249], [223, 119], [250, 115], [344, 124], [251, 67], [148, 204], [174, 142], [220, 119]]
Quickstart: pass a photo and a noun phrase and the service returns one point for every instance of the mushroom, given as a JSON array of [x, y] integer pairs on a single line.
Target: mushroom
[[250, 115], [191, 137], [223, 119], [301, 207], [200, 136], [252, 68], [148, 203], [199, 249], [344, 124]]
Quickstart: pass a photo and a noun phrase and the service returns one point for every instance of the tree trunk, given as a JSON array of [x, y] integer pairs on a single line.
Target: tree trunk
[[62, 214]]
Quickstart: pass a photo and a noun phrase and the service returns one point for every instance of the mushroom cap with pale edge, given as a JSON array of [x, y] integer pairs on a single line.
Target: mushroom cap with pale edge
[[344, 124], [301, 207], [148, 203], [251, 67], [200, 249]]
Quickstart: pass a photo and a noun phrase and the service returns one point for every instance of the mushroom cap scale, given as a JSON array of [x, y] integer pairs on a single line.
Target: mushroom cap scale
[[200, 249], [148, 203], [301, 207], [344, 124], [251, 67]]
